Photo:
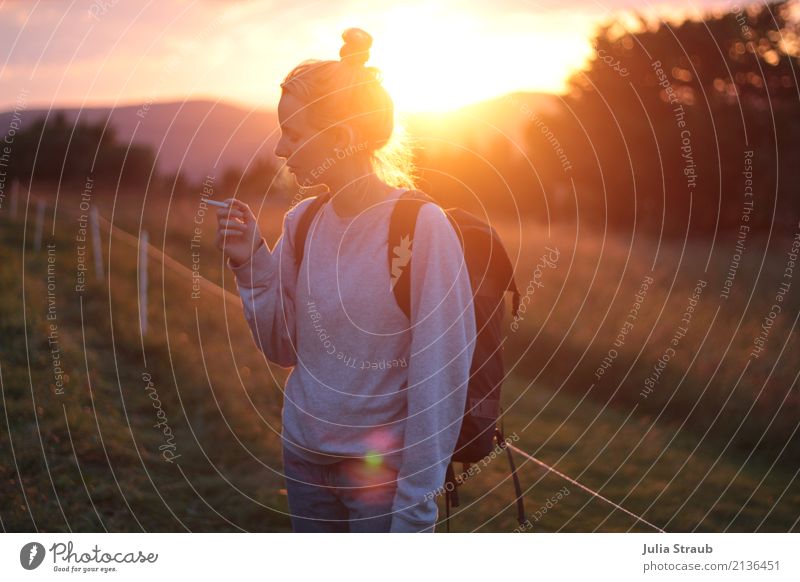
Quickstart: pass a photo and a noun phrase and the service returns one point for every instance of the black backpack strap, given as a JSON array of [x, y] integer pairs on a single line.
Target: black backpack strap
[[447, 510], [304, 223], [450, 493], [501, 441], [402, 224]]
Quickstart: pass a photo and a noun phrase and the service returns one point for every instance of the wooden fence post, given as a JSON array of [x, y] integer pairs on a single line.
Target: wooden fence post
[[97, 251], [37, 237], [143, 246]]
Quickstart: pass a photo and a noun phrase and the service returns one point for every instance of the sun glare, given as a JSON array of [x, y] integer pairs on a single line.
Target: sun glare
[[436, 61]]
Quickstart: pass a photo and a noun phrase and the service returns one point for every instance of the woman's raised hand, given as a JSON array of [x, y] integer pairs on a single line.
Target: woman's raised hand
[[238, 235]]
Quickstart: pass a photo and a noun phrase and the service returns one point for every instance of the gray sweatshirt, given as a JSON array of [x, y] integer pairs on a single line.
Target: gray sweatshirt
[[365, 382]]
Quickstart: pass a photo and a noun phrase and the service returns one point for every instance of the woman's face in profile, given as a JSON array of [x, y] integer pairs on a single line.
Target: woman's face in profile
[[308, 151]]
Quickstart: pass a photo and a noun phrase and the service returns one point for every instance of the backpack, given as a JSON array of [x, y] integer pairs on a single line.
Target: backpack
[[491, 276]]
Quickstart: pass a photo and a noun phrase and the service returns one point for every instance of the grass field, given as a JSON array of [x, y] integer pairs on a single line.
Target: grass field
[[92, 459]]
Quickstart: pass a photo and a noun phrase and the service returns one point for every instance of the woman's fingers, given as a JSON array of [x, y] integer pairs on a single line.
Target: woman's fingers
[[230, 232], [224, 234], [237, 230], [232, 224], [230, 213], [242, 207], [236, 204]]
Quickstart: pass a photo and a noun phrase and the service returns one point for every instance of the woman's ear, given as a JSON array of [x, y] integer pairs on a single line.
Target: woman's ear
[[345, 137]]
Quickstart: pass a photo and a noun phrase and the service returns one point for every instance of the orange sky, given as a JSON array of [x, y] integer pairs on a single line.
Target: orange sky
[[435, 54]]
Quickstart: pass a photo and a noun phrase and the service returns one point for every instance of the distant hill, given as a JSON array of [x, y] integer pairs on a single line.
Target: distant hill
[[199, 137], [202, 137]]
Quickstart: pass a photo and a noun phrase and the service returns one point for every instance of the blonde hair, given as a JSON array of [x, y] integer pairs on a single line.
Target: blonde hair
[[347, 92]]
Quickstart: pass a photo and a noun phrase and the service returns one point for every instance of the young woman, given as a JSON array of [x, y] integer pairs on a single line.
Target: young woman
[[374, 402]]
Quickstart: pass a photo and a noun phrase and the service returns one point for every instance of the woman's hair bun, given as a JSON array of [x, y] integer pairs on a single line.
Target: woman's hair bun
[[355, 49]]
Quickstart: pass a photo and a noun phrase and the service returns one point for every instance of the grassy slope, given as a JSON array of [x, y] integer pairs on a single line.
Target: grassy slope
[[109, 474]]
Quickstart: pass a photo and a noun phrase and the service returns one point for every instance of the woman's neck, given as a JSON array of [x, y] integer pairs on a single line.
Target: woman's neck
[[358, 195]]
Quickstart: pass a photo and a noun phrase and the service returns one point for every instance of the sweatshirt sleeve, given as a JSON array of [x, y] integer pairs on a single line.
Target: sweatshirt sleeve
[[266, 284], [442, 343]]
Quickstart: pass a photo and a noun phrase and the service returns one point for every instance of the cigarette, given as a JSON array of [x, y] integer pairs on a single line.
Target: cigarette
[[215, 203]]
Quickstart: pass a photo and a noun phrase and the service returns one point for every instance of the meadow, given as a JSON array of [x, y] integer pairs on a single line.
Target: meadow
[[712, 447]]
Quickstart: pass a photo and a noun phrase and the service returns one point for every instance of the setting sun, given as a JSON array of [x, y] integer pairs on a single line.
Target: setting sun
[[437, 60]]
